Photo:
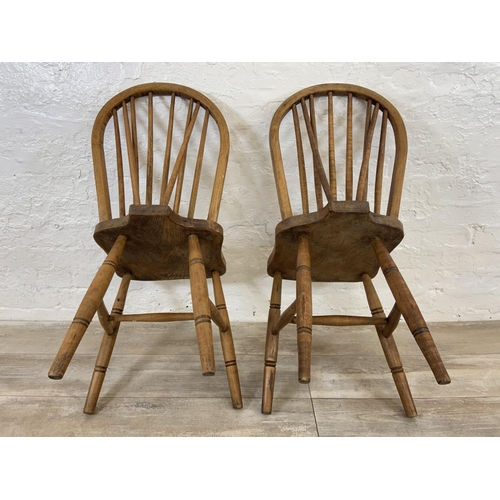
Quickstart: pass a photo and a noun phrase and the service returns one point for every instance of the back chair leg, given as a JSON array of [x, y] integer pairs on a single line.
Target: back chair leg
[[304, 310], [226, 338], [87, 310], [201, 306], [390, 350], [411, 312], [106, 349], [271, 354]]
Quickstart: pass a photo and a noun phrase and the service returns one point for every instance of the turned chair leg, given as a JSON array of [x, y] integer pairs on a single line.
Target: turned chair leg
[[106, 349], [201, 306], [390, 350], [410, 311], [226, 338], [87, 310], [304, 310], [271, 353]]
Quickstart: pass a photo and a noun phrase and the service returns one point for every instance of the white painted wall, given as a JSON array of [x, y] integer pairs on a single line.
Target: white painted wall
[[450, 255]]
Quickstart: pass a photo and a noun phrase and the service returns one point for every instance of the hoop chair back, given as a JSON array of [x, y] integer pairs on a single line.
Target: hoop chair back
[[349, 142], [160, 143]]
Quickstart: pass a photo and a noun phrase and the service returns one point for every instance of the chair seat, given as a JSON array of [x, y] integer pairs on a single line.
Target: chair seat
[[157, 243], [339, 236]]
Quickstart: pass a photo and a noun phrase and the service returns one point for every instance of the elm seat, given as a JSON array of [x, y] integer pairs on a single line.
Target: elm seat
[[338, 146], [338, 238], [157, 243], [161, 149]]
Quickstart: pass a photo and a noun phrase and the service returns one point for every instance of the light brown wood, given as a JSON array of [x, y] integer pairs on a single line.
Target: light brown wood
[[300, 160], [362, 191], [180, 162], [285, 318], [132, 157], [90, 303], [347, 240], [410, 311], [392, 321], [331, 148], [314, 139], [348, 173], [217, 317], [161, 242], [152, 317], [339, 320], [199, 161], [380, 164], [104, 318], [226, 338], [201, 306], [119, 165], [149, 177], [272, 341], [304, 309], [390, 350], [320, 179], [190, 118], [349, 93], [106, 349], [168, 150]]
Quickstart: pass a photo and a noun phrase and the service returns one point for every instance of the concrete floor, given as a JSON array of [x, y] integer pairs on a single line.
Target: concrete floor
[[154, 385]]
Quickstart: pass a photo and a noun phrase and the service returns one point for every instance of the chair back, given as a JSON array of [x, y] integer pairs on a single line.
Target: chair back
[[336, 142], [161, 144]]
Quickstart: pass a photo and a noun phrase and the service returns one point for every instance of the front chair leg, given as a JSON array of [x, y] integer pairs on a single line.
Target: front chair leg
[[271, 355], [87, 310], [106, 349], [410, 311], [304, 309], [201, 306], [226, 339]]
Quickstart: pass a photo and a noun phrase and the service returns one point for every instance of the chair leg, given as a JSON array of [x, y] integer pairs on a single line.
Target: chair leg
[[226, 339], [106, 349], [87, 310], [271, 354], [410, 311], [390, 350], [304, 310], [201, 306]]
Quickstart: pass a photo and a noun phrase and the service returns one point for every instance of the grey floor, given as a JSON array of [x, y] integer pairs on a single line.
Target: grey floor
[[154, 385]]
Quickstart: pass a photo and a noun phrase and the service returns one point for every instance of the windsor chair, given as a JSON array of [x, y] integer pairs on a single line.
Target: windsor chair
[[158, 238], [346, 237]]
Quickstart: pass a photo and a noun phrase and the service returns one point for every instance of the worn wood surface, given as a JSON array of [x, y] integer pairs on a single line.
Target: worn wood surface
[[153, 241], [338, 240], [157, 243], [345, 96], [344, 240], [88, 307]]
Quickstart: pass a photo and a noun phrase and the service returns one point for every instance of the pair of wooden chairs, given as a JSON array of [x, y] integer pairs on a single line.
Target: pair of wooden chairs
[[163, 237]]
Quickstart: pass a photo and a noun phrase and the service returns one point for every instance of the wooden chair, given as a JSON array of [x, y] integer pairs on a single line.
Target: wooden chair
[[158, 238], [345, 238]]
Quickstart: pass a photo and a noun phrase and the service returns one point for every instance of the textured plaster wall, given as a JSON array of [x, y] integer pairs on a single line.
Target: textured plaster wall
[[450, 255]]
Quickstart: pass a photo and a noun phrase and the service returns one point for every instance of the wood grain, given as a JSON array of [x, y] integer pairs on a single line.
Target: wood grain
[[157, 247], [339, 242]]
